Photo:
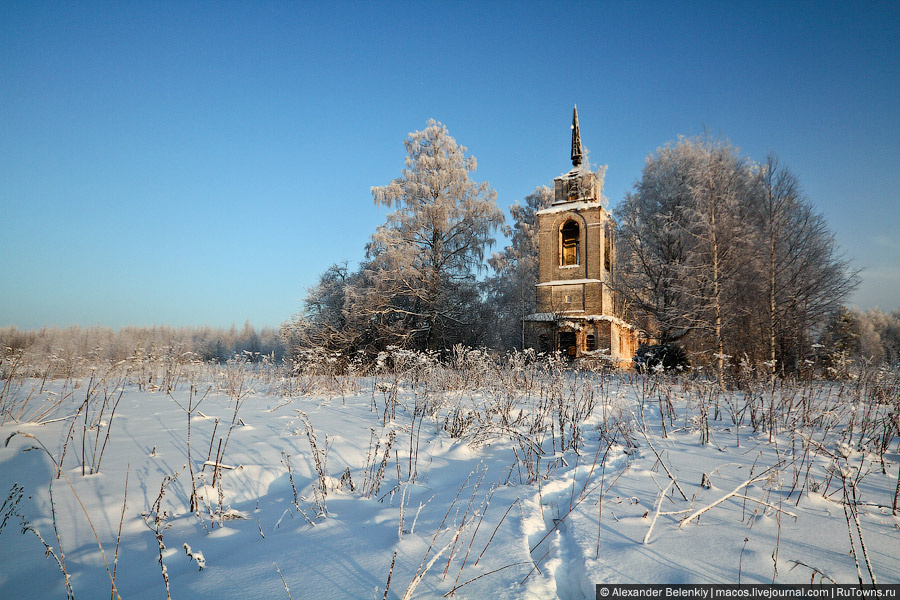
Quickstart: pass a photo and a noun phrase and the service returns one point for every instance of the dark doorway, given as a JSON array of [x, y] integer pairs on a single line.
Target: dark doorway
[[567, 342]]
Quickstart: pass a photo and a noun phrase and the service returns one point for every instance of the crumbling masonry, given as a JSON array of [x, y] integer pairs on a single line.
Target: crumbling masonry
[[575, 305]]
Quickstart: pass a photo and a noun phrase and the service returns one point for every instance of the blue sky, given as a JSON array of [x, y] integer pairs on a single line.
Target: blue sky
[[202, 163]]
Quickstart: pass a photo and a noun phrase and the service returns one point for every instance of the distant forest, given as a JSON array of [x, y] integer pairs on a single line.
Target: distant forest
[[103, 344]]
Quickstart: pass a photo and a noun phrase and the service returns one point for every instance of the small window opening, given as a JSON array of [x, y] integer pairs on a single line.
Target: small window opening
[[569, 238], [590, 342], [607, 250]]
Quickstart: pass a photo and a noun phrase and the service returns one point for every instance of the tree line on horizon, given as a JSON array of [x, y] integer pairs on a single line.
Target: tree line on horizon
[[850, 336], [717, 254], [97, 343]]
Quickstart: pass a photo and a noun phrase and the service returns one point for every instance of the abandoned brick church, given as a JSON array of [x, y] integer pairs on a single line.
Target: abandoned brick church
[[575, 305]]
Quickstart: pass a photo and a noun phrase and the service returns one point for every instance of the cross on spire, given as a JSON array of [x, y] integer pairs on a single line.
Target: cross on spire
[[577, 152]]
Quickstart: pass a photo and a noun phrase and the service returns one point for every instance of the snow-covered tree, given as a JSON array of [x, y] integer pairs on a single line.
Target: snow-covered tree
[[719, 189], [324, 319], [511, 288], [887, 328], [656, 245], [802, 276], [422, 262], [727, 256], [852, 337]]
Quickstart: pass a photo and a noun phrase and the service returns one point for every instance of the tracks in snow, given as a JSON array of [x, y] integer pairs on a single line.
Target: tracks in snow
[[554, 551]]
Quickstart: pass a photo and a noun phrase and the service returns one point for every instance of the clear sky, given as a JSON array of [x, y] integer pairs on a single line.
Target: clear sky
[[189, 163]]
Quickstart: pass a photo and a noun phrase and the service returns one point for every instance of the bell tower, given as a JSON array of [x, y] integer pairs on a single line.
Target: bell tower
[[575, 310]]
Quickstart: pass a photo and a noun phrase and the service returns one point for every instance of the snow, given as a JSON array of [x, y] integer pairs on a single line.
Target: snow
[[569, 282], [562, 316], [567, 206], [450, 475], [545, 317]]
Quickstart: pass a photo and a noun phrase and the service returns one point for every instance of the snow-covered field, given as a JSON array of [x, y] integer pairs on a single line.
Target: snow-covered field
[[507, 478]]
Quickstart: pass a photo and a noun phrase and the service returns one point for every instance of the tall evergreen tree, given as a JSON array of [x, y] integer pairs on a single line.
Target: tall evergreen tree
[[422, 262]]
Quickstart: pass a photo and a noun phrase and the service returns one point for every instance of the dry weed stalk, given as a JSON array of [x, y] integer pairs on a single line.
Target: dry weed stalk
[[387, 585], [156, 520], [112, 579], [58, 555], [119, 534], [851, 513], [491, 539], [814, 571], [375, 471], [283, 582], [13, 376], [459, 530], [120, 385], [732, 493], [10, 508], [193, 405], [424, 568], [286, 461], [320, 462]]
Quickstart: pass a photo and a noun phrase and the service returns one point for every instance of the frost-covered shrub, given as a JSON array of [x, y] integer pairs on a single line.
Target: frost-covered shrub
[[665, 357]]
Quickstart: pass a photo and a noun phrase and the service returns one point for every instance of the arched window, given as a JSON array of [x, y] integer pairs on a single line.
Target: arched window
[[569, 237]]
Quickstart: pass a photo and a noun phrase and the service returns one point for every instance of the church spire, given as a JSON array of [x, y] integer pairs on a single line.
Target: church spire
[[577, 152]]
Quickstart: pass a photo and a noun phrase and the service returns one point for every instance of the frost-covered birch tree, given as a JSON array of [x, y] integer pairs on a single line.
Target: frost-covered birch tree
[[803, 276], [727, 257], [422, 262], [654, 246], [719, 192]]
